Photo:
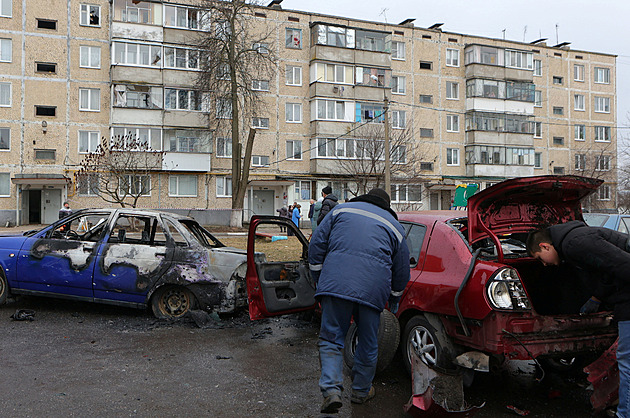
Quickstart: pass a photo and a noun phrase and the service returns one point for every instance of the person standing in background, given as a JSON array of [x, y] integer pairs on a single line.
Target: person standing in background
[[311, 209], [296, 215], [329, 202], [65, 211]]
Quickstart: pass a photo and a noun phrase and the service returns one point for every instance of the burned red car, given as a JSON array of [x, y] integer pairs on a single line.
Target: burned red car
[[475, 296]]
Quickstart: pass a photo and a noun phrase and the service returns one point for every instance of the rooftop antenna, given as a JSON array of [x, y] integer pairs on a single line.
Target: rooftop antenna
[[557, 26], [524, 32], [503, 34], [384, 13]]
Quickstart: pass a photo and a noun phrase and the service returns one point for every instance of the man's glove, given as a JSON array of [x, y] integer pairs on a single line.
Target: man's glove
[[393, 303], [591, 306]]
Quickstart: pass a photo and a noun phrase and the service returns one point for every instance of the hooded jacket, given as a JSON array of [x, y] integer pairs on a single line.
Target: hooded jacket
[[603, 254], [329, 202], [359, 253]]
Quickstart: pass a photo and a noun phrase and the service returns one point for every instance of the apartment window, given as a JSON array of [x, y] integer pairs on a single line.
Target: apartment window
[[224, 147], [90, 15], [294, 150], [134, 11], [332, 73], [558, 171], [45, 67], [293, 75], [538, 98], [426, 133], [176, 99], [302, 190], [224, 108], [260, 123], [175, 58], [406, 193], [452, 57], [293, 112], [538, 68], [5, 50], [137, 138], [6, 9], [602, 133], [398, 84], [45, 154], [399, 154], [426, 98], [5, 139], [330, 110], [260, 161], [139, 96], [261, 48], [602, 104], [537, 160], [88, 141], [293, 38], [326, 147], [260, 85], [452, 90], [519, 59], [187, 140], [558, 110], [87, 184], [142, 54], [537, 129], [135, 185], [182, 185], [224, 186], [452, 123], [426, 65], [46, 24], [90, 100], [452, 156], [375, 77], [578, 102], [90, 56], [578, 72], [602, 75], [398, 50], [558, 140], [181, 17], [45, 110], [580, 132], [426, 166], [602, 163], [557, 79], [399, 119], [5, 94], [604, 192], [580, 162]]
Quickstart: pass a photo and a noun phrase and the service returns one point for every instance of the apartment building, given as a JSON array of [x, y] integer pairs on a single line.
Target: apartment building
[[472, 109]]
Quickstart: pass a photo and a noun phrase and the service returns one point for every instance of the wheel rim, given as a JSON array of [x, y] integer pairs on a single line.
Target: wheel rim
[[421, 344], [175, 302]]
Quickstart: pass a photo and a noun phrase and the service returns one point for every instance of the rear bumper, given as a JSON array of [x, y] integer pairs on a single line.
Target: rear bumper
[[525, 335]]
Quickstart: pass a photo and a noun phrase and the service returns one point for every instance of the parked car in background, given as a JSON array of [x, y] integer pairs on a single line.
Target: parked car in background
[[614, 221], [129, 257], [475, 296]]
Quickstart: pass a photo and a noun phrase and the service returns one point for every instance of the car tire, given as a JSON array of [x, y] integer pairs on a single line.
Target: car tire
[[172, 302], [388, 339], [4, 289], [421, 339]]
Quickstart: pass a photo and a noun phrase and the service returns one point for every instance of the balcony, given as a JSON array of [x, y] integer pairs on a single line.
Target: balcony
[[351, 56], [186, 161], [506, 171], [499, 106], [498, 73], [136, 31]]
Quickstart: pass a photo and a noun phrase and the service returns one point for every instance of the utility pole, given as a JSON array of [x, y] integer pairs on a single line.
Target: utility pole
[[387, 150]]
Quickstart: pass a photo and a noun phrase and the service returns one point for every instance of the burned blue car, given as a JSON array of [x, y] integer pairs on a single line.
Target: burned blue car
[[130, 257]]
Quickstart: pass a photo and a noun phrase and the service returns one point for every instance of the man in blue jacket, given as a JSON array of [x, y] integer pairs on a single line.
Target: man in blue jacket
[[359, 259]]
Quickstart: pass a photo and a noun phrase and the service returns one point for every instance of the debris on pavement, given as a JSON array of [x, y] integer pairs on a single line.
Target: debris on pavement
[[437, 394], [220, 357], [23, 315], [517, 411]]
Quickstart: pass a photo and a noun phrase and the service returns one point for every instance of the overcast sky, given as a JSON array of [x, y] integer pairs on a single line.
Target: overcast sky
[[590, 25]]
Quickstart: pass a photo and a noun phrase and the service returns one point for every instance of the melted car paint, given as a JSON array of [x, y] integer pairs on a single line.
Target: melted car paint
[[145, 259], [78, 253]]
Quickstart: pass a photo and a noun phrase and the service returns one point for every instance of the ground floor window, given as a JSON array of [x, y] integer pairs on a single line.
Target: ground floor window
[[182, 186], [224, 186]]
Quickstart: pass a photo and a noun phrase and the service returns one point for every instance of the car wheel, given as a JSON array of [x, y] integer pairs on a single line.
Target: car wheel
[[421, 339], [388, 338], [171, 302], [4, 289]]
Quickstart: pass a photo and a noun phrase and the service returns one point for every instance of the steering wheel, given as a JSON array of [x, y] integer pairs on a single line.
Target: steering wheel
[[70, 234]]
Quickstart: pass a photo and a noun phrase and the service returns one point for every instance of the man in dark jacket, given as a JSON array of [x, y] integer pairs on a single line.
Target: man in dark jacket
[[359, 259], [329, 202], [603, 254]]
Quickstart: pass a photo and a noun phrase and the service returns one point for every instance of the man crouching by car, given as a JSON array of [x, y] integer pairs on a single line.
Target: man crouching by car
[[359, 259]]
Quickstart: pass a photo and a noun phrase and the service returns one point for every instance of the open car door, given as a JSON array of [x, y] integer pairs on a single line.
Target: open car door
[[278, 278]]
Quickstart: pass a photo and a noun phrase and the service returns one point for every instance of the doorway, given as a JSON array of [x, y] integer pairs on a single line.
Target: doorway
[[34, 206], [263, 202]]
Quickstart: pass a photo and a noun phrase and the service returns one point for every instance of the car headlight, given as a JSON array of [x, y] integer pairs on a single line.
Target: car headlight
[[505, 291]]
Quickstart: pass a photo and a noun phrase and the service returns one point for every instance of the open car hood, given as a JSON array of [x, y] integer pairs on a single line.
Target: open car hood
[[527, 203]]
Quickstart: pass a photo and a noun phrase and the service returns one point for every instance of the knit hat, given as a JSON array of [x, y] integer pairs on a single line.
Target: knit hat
[[327, 190], [380, 193]]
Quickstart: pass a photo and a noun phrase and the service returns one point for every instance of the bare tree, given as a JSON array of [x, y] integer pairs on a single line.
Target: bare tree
[[237, 62], [119, 171], [595, 162], [364, 160]]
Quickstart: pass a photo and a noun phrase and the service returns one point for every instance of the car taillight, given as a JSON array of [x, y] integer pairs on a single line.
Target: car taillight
[[505, 291]]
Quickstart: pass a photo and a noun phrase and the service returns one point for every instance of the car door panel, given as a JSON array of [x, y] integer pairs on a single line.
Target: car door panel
[[281, 284]]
